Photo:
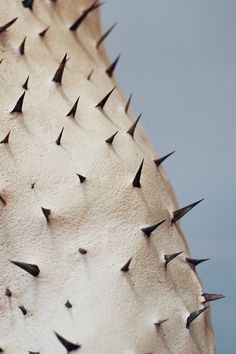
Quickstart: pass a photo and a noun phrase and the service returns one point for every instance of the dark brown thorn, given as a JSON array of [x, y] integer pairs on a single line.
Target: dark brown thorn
[[1, 350], [68, 304], [8, 292], [81, 178], [6, 139], [159, 323], [194, 315], [22, 47], [19, 105], [83, 16], [104, 36], [212, 297], [170, 257], [128, 103], [68, 345], [23, 310], [1, 61], [161, 159], [125, 268], [82, 251], [58, 141], [28, 4], [90, 74], [102, 103], [178, 214], [110, 140], [3, 200], [73, 109], [59, 73], [194, 262], [32, 269], [25, 85], [131, 130], [46, 213], [136, 181], [33, 185], [42, 34], [7, 25], [148, 230], [110, 70], [34, 352]]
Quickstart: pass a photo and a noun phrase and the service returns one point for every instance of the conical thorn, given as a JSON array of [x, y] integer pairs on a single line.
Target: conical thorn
[[212, 297], [149, 229], [110, 140], [136, 181], [32, 269], [85, 13], [90, 74], [104, 36], [22, 47], [19, 105], [43, 33], [131, 130], [68, 304], [159, 323], [73, 110], [128, 103], [23, 310], [110, 70], [68, 345], [125, 268], [58, 141], [194, 315], [28, 4], [25, 85], [170, 257], [81, 178], [194, 262], [6, 139], [59, 73], [3, 28], [178, 214], [46, 213], [159, 161], [102, 103]]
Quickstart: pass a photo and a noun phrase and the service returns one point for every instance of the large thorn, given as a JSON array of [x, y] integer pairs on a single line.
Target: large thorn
[[128, 103], [58, 141], [28, 4], [22, 47], [59, 73], [104, 36], [170, 257], [110, 140], [212, 297], [6, 139], [81, 178], [32, 269], [102, 103], [73, 110], [194, 315], [43, 33], [178, 214], [148, 230], [25, 85], [85, 13], [125, 268], [3, 28], [136, 181], [19, 105], [23, 310], [110, 70], [46, 213], [159, 161], [194, 262], [131, 130], [68, 345]]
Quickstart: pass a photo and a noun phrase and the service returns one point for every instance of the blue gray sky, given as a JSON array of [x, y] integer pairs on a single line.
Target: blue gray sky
[[179, 60]]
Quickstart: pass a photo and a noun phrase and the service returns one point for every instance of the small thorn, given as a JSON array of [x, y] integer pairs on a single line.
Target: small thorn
[[110, 140], [102, 103], [159, 161], [1, 61], [32, 269], [28, 4], [19, 105], [131, 130], [6, 139], [46, 213], [104, 36], [212, 297], [33, 185], [136, 181], [68, 345], [43, 33], [159, 323], [82, 251], [73, 110], [23, 310], [170, 257], [148, 230], [90, 74], [194, 262], [110, 70], [85, 13], [59, 73], [68, 304], [25, 85], [194, 315], [3, 200], [81, 178], [3, 28], [8, 292], [128, 103], [178, 214], [125, 268], [22, 47], [34, 352], [58, 141]]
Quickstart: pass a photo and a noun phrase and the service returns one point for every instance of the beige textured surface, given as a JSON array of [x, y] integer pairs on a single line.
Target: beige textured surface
[[113, 312]]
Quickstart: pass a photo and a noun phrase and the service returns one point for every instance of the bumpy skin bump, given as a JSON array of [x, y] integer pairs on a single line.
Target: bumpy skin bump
[[113, 311]]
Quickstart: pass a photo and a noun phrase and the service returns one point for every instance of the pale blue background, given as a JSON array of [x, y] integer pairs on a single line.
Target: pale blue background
[[179, 60]]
